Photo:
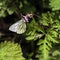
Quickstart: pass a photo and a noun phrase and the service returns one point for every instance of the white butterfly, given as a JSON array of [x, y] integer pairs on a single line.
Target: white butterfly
[[18, 27]]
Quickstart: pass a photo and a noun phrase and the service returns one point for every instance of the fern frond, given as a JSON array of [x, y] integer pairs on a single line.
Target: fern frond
[[50, 36], [32, 29], [10, 51], [51, 39], [57, 25], [45, 50], [47, 19], [56, 52], [55, 4]]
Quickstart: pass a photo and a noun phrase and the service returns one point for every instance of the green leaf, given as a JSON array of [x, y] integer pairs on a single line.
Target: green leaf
[[55, 4], [56, 52], [30, 38], [49, 44], [54, 33], [44, 19], [10, 10], [51, 39], [40, 42], [21, 5], [10, 51], [2, 13]]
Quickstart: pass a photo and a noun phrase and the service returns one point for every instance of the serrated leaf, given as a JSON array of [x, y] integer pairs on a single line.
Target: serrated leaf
[[39, 29], [10, 51], [56, 52], [55, 4], [40, 42], [33, 32], [30, 38], [57, 26], [47, 47], [53, 33], [10, 11], [51, 39], [29, 33], [44, 22], [49, 44], [41, 48]]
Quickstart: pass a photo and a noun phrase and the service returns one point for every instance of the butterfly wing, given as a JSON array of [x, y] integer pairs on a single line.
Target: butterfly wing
[[13, 27], [21, 27], [18, 27]]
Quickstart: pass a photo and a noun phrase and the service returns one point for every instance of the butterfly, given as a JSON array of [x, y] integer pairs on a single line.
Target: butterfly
[[19, 27]]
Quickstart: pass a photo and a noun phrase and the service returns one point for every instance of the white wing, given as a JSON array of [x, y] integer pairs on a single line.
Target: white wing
[[18, 27], [14, 27], [21, 27]]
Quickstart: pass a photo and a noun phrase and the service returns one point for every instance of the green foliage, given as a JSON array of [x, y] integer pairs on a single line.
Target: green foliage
[[51, 35], [42, 32], [46, 19], [55, 53], [47, 30], [27, 7], [10, 51], [8, 7], [55, 4], [33, 28], [57, 24]]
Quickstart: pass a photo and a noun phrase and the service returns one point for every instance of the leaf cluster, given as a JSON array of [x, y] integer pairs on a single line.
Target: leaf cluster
[[10, 51]]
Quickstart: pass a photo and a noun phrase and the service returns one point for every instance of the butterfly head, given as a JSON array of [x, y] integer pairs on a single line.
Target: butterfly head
[[27, 17]]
